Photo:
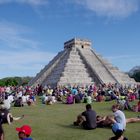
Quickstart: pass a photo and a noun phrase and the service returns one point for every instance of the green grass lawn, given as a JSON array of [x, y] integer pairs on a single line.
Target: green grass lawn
[[54, 122]]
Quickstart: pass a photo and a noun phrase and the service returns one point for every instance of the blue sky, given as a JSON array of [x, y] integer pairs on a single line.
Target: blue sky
[[32, 32]]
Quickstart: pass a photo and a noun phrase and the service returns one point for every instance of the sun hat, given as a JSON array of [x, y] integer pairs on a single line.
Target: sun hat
[[25, 129]]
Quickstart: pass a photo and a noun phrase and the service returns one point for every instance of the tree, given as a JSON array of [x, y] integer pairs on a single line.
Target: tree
[[136, 76], [15, 81]]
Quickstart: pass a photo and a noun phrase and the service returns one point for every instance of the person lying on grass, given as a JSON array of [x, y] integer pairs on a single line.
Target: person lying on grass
[[107, 121]]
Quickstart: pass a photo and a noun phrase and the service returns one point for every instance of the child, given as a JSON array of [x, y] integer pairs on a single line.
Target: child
[[24, 132]]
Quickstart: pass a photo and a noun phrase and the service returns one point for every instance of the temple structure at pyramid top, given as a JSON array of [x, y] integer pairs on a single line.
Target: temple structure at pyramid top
[[79, 43], [79, 64]]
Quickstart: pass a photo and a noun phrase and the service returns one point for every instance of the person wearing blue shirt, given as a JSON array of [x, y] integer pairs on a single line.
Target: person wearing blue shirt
[[74, 91]]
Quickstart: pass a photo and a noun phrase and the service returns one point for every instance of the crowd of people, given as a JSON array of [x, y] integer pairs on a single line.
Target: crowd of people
[[123, 95], [70, 94]]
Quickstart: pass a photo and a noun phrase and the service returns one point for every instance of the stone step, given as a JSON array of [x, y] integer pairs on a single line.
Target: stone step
[[97, 66], [71, 69], [75, 79]]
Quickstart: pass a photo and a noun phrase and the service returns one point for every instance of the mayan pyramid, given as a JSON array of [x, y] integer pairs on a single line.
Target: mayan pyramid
[[79, 64]]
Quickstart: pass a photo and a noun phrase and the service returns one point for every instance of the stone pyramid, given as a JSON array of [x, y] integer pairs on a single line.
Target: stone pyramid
[[79, 64]]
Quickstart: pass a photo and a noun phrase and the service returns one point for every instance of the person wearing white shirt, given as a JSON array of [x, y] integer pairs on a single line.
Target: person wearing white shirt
[[119, 116], [11, 98], [119, 124]]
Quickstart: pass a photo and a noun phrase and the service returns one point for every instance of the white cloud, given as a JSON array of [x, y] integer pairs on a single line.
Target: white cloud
[[34, 4], [24, 63], [132, 59], [30, 2], [24, 57], [122, 57], [111, 8], [13, 36], [125, 62], [20, 55]]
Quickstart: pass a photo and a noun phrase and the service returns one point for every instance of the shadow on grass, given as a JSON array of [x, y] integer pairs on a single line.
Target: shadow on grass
[[70, 126]]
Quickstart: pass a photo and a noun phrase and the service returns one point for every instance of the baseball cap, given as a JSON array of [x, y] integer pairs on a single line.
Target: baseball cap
[[25, 129]]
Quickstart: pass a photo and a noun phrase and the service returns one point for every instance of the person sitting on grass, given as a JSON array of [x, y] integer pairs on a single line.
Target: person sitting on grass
[[31, 100], [24, 132], [69, 99], [18, 102], [50, 100], [87, 99], [87, 119]]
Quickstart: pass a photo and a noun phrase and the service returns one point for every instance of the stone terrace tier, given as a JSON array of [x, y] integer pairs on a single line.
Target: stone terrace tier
[[79, 64]]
